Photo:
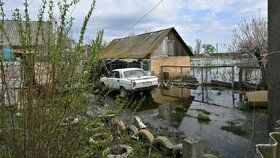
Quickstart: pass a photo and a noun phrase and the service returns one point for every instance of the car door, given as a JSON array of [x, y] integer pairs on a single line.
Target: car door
[[110, 80], [116, 79]]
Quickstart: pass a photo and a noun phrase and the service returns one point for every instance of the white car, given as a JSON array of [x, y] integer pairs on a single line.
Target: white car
[[129, 80]]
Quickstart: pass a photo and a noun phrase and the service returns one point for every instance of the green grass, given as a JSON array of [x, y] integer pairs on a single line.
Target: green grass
[[216, 55], [203, 111], [203, 118], [233, 128]]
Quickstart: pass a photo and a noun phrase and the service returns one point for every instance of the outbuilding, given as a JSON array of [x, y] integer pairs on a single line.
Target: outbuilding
[[149, 51]]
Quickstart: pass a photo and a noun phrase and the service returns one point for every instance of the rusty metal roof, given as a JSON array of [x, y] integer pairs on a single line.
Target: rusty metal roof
[[139, 46]]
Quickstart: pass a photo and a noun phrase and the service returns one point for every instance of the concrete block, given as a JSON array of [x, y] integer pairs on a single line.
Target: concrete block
[[193, 147]]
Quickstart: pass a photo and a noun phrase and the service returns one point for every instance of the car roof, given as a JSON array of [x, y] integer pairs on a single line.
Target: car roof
[[127, 69]]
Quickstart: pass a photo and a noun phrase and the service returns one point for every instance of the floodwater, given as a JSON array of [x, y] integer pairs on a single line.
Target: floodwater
[[176, 109], [225, 73]]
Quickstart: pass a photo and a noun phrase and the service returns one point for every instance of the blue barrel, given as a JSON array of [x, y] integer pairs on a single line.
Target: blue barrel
[[7, 54]]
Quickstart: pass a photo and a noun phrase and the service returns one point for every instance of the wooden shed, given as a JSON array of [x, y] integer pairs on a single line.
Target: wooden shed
[[154, 49]]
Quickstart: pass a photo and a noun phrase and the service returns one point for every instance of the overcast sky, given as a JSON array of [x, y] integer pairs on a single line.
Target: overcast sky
[[211, 21]]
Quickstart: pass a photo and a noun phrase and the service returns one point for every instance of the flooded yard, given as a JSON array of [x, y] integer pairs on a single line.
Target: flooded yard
[[218, 115], [231, 131]]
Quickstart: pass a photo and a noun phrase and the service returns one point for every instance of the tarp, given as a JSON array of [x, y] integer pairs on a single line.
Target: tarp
[[7, 54]]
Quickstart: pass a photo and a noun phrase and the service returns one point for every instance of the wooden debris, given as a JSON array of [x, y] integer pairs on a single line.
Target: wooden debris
[[257, 98]]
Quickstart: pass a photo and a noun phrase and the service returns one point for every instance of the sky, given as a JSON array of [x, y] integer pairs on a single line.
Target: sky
[[211, 21]]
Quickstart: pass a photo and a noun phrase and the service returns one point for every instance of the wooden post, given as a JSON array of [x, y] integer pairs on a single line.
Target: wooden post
[[202, 76], [206, 74], [181, 72], [240, 77], [202, 86], [161, 73], [232, 77], [192, 147], [193, 70]]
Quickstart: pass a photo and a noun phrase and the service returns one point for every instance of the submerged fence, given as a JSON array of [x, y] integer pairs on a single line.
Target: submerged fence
[[225, 75]]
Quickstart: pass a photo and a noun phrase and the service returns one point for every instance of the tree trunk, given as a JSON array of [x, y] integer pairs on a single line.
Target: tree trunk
[[263, 83]]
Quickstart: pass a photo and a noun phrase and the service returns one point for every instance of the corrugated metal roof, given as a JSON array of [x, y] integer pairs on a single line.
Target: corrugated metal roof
[[139, 46], [12, 30]]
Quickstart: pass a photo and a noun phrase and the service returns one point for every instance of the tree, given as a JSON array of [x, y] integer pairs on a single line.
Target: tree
[[208, 48], [250, 37], [190, 47], [197, 46]]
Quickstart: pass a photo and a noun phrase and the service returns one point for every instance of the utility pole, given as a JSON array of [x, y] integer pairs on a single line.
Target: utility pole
[[273, 76], [217, 48]]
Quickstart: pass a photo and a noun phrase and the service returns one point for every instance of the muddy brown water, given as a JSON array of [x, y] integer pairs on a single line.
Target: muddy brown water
[[176, 109]]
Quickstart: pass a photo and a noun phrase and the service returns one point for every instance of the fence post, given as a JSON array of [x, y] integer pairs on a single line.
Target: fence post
[[206, 74], [232, 77], [193, 69], [181, 72], [193, 147], [240, 76], [202, 76], [161, 73], [202, 86]]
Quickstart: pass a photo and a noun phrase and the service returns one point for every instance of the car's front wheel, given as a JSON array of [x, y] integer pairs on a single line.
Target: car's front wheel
[[123, 92]]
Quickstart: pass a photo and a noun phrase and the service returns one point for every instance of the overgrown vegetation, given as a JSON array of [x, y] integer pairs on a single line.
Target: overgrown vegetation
[[203, 118], [45, 114], [217, 55], [250, 38], [236, 129], [203, 111]]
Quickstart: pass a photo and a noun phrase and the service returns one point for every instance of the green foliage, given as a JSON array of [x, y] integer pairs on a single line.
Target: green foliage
[[236, 129], [202, 117], [203, 111], [47, 118], [42, 122], [190, 47], [198, 44], [208, 48], [218, 55]]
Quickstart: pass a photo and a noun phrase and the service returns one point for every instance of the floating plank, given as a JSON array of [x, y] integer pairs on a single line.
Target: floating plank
[[221, 83], [256, 98]]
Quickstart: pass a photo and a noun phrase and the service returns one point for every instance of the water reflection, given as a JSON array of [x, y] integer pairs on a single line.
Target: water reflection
[[217, 96], [177, 108], [175, 111], [161, 95]]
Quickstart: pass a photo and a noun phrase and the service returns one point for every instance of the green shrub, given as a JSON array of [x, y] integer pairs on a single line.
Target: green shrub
[[204, 118]]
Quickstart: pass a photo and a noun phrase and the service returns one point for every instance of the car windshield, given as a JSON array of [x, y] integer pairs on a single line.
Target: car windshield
[[134, 73]]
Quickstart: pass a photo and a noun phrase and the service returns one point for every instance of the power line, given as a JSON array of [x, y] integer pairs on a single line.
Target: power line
[[142, 17], [73, 10]]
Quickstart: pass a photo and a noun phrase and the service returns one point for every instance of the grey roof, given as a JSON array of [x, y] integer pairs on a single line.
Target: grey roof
[[139, 46], [12, 29]]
